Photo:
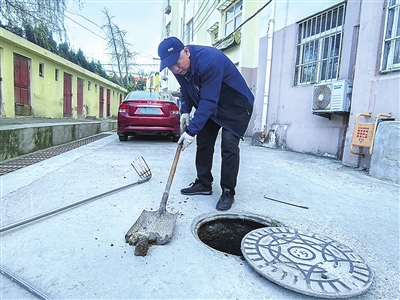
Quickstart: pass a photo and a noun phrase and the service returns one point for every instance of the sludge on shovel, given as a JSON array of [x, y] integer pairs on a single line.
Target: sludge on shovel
[[154, 227]]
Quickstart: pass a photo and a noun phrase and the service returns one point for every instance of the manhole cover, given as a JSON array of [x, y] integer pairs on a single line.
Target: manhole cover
[[307, 263]]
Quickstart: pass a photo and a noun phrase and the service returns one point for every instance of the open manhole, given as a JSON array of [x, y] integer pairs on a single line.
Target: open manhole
[[304, 262], [224, 232]]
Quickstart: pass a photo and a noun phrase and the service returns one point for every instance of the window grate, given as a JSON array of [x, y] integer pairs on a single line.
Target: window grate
[[319, 47]]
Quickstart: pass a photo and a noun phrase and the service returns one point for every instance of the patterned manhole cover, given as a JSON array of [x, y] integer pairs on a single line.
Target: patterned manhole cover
[[307, 263]]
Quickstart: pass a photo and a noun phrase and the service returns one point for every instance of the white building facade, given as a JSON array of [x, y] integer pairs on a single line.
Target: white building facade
[[313, 66]]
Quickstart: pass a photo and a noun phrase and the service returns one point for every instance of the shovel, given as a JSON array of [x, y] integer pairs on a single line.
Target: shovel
[[154, 227]]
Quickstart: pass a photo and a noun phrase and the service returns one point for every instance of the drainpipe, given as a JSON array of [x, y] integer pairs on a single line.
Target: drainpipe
[[184, 22], [270, 34]]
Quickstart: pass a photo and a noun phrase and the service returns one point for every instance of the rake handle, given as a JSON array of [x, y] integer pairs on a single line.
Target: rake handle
[[165, 196], [55, 211]]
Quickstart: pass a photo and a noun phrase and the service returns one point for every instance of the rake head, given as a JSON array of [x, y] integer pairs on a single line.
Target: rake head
[[141, 168]]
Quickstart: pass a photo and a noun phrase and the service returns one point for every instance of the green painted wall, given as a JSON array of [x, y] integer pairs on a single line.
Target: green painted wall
[[46, 92]]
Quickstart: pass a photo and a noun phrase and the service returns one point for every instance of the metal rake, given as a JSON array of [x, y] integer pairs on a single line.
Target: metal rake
[[141, 168]]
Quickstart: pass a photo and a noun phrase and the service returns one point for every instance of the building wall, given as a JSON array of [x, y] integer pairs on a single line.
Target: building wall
[[373, 92], [205, 14], [46, 93], [385, 163], [266, 56], [290, 123], [153, 82]]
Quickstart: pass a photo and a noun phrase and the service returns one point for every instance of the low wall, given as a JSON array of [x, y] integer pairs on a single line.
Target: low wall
[[385, 160], [19, 141]]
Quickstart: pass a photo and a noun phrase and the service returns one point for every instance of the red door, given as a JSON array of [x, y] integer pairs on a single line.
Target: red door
[[21, 85], [101, 102], [67, 103], [80, 97], [108, 102]]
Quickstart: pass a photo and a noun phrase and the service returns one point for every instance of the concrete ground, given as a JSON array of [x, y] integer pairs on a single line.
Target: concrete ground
[[81, 253]]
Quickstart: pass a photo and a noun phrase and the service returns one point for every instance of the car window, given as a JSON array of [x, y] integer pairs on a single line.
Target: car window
[[147, 95]]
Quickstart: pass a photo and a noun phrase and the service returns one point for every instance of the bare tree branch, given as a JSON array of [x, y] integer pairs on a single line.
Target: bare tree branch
[[32, 12], [119, 47], [112, 42]]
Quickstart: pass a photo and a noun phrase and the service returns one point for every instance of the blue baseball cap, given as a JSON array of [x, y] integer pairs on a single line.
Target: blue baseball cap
[[169, 51]]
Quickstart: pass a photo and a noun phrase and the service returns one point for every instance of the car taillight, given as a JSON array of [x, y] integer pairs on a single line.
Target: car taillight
[[174, 110], [123, 108]]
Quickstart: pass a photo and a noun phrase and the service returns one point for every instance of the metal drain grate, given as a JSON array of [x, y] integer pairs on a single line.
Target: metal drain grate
[[39, 156]]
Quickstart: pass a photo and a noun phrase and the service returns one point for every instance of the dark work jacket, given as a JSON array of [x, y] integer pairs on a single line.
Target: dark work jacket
[[215, 87]]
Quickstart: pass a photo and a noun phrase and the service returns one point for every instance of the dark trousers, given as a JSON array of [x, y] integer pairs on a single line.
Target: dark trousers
[[229, 155]]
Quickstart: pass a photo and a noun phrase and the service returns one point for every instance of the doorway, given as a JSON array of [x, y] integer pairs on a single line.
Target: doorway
[[22, 95]]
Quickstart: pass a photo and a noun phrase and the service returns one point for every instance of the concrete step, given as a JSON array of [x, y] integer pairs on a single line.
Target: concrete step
[[20, 136]]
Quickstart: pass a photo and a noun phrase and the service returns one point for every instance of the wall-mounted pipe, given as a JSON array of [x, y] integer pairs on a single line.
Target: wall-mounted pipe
[[270, 35]]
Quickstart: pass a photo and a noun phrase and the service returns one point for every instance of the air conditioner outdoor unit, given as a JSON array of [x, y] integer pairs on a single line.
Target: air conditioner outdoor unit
[[332, 97]]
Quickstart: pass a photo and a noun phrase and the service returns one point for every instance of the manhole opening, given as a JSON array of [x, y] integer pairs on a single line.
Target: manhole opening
[[225, 234]]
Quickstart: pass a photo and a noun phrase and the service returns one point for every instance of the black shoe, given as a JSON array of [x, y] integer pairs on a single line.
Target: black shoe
[[226, 200], [197, 188]]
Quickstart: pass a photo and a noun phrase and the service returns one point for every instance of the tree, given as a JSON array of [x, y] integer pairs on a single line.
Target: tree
[[120, 50], [141, 85], [51, 13], [81, 58], [41, 36], [63, 50], [38, 20]]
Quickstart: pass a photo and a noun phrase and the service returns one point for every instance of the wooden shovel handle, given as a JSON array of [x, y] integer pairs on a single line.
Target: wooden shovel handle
[[164, 199]]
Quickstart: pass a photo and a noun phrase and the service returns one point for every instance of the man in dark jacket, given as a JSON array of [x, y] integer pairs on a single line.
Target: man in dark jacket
[[212, 84]]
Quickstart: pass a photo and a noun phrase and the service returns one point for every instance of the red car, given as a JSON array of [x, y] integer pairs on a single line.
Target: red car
[[148, 113]]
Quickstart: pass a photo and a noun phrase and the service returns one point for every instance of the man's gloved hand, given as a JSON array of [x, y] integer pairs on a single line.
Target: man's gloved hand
[[186, 139], [185, 119]]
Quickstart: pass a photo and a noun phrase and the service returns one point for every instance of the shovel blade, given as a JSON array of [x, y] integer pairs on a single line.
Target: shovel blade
[[160, 225]]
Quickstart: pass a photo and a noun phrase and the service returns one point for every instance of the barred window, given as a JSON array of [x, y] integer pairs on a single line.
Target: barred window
[[319, 47], [390, 60]]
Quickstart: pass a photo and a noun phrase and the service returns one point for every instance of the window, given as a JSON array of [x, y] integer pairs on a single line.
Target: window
[[214, 35], [57, 71], [213, 31], [89, 84], [233, 18], [189, 32], [41, 69], [391, 44], [319, 47]]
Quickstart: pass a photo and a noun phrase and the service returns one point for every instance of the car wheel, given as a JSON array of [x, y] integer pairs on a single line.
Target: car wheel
[[175, 138], [123, 138]]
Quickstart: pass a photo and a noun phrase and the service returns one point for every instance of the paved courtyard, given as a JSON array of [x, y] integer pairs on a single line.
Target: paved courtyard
[[81, 253]]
